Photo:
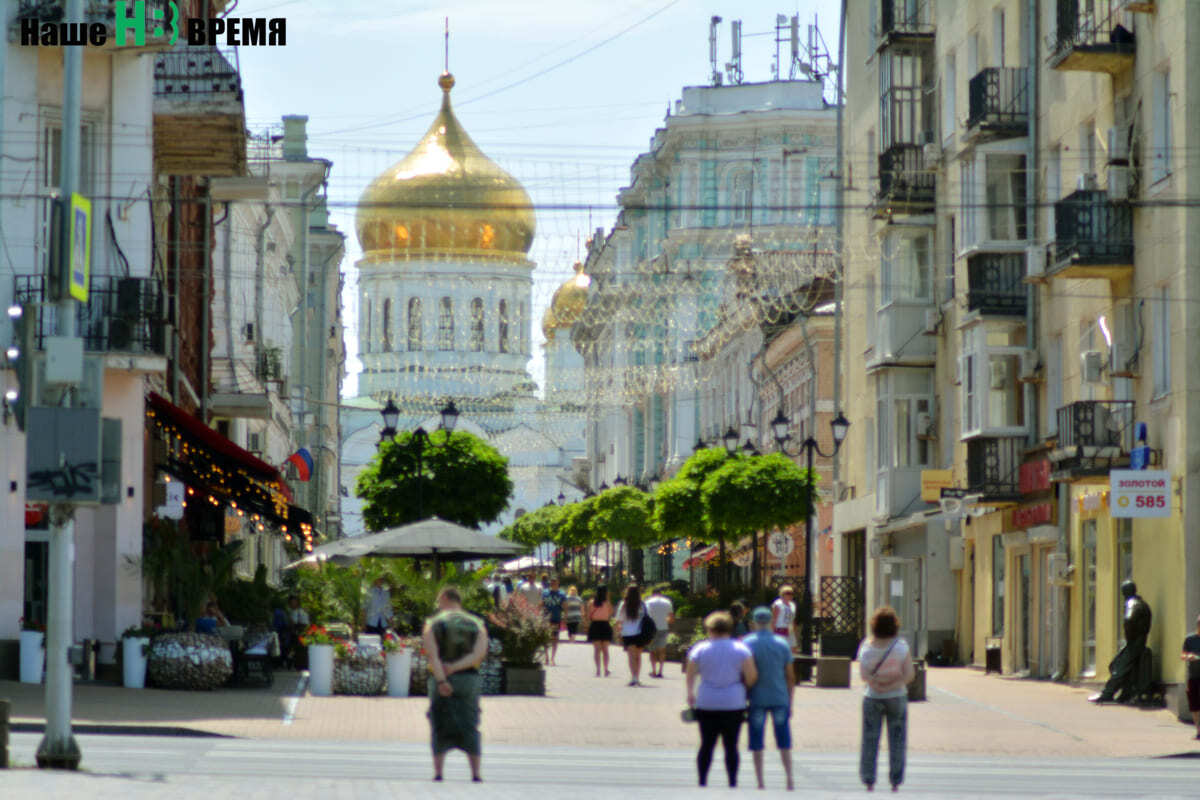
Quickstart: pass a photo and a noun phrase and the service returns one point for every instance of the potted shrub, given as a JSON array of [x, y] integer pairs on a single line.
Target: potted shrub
[[358, 670], [524, 635], [320, 660], [135, 652], [399, 666], [33, 650]]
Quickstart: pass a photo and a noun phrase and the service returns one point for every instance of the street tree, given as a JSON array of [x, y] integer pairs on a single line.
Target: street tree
[[757, 493], [536, 527], [678, 504], [455, 476], [624, 514]]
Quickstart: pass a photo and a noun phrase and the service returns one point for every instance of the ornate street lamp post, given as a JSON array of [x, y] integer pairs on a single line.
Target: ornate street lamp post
[[779, 426], [418, 442]]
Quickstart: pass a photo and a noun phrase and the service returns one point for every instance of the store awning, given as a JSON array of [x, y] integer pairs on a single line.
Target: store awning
[[702, 557], [222, 471]]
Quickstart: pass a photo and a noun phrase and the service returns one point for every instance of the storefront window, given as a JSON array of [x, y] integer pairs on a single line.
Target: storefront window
[[1089, 597]]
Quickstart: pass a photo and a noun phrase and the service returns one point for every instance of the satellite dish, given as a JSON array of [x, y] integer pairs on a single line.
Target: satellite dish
[[952, 506]]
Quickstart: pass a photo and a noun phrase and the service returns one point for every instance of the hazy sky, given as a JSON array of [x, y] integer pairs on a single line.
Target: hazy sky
[[564, 94]]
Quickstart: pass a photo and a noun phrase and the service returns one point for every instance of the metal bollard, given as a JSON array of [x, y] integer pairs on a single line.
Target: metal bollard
[[5, 706]]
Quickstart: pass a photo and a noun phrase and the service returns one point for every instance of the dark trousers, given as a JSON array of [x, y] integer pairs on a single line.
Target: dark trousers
[[1131, 672], [724, 725]]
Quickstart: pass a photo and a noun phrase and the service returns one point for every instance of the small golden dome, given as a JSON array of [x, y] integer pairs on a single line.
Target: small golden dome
[[567, 304], [445, 197]]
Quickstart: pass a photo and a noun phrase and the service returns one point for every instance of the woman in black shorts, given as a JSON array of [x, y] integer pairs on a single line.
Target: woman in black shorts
[[598, 616]]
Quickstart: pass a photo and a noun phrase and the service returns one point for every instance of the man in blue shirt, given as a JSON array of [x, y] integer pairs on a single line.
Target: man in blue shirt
[[552, 603], [772, 694]]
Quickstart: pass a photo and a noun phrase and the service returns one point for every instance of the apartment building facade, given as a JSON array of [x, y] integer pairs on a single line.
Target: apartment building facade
[[1022, 162]]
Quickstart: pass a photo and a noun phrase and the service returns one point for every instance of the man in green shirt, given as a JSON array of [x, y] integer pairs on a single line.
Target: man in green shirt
[[456, 643]]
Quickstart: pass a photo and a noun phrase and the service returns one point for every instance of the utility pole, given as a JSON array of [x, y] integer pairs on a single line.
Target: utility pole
[[58, 749]]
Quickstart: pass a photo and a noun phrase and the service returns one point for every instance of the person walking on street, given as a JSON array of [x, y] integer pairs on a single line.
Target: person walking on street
[[379, 608], [600, 631], [552, 603], [771, 696], [573, 610], [530, 590], [724, 668], [783, 616], [662, 611], [741, 626], [886, 666], [630, 613], [1191, 654], [456, 643]]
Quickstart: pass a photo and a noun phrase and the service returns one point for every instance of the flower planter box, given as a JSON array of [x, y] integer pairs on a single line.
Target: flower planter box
[[33, 656], [320, 669], [524, 680], [399, 672], [360, 675], [135, 654], [189, 661]]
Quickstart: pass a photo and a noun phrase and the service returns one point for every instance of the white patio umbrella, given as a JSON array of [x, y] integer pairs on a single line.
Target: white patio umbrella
[[429, 538], [524, 563]]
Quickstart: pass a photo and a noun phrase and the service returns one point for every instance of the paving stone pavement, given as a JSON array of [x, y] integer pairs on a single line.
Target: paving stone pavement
[[966, 713]]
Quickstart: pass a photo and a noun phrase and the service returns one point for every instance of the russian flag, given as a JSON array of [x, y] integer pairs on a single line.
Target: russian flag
[[303, 461]]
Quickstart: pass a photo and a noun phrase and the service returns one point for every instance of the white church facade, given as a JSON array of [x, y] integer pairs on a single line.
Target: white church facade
[[445, 287]]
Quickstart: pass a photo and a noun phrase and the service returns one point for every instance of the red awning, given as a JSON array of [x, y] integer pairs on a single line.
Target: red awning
[[703, 557], [212, 440]]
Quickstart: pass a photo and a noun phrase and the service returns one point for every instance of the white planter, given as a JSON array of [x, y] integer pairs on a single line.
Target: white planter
[[320, 669], [32, 656], [134, 652], [399, 672]]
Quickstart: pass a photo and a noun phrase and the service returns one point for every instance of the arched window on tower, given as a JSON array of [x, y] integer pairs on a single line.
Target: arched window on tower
[[366, 325], [503, 332], [477, 325], [414, 323], [386, 324], [446, 324]]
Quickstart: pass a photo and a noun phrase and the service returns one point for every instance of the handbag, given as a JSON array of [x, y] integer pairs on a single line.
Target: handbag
[[648, 629]]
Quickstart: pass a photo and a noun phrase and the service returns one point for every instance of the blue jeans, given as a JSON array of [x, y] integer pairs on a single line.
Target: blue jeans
[[780, 715], [874, 710]]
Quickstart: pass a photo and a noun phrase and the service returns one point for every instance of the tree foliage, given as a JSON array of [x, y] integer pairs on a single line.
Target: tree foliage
[[757, 493], [624, 514], [462, 479], [576, 529], [678, 503], [537, 526]]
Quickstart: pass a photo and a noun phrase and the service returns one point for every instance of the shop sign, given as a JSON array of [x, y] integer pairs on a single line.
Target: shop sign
[[1093, 501], [1034, 514], [1034, 477], [1140, 493], [932, 483]]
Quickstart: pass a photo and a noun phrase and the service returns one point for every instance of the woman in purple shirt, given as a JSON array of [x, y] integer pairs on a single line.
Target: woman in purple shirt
[[726, 669]]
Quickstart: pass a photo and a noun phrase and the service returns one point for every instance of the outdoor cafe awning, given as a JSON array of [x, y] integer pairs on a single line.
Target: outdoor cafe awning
[[702, 557], [222, 472]]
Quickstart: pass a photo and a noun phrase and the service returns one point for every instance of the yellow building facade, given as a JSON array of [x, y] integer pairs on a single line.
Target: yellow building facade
[[1021, 168]]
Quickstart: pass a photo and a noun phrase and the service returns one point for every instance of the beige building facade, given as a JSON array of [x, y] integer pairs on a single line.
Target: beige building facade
[[1017, 269]]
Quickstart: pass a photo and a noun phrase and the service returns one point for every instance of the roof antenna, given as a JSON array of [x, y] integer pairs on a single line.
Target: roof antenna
[[447, 44]]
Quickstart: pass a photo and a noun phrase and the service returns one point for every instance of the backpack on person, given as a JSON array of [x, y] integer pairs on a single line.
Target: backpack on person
[[648, 629]]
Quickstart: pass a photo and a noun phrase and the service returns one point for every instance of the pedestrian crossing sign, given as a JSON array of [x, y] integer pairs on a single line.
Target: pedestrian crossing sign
[[79, 246]]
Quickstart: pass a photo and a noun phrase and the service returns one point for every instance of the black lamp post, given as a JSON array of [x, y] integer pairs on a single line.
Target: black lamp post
[[418, 442], [779, 426]]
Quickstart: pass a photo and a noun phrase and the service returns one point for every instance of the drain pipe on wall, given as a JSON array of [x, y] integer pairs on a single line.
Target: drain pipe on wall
[[839, 221]]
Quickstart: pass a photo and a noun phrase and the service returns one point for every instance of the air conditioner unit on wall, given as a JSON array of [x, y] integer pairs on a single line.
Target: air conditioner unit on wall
[[1120, 181], [932, 152], [925, 426], [999, 376], [1035, 263], [1118, 145], [932, 318], [1091, 366]]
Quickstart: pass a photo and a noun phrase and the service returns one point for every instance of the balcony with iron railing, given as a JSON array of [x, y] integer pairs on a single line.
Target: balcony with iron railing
[[1094, 436], [122, 315], [1093, 237], [995, 284], [1092, 36], [42, 12], [907, 183], [994, 467], [998, 104], [905, 21], [199, 113]]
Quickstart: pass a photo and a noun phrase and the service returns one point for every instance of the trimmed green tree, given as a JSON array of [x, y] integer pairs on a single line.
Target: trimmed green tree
[[461, 478], [678, 504], [624, 514], [748, 495]]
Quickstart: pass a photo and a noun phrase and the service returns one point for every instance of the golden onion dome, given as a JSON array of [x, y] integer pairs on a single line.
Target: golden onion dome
[[445, 197], [567, 304]]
